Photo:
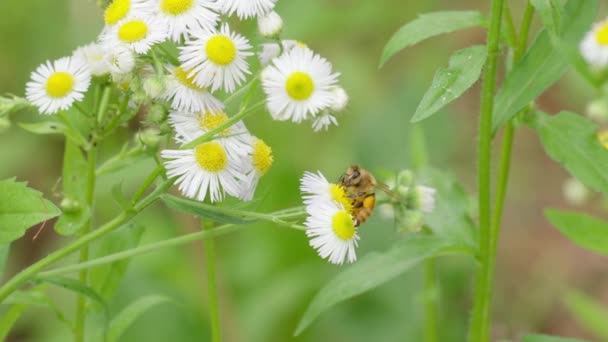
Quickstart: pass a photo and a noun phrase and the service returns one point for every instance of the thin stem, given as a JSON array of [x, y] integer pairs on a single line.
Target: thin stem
[[31, 271], [103, 106], [480, 321], [214, 312], [431, 294], [209, 135]]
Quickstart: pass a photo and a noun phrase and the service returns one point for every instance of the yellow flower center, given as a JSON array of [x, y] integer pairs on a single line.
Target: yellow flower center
[[117, 10], [211, 120], [59, 84], [338, 194], [602, 35], [299, 86], [176, 7], [343, 225], [262, 156], [220, 50], [211, 156], [182, 76], [133, 31], [602, 136]]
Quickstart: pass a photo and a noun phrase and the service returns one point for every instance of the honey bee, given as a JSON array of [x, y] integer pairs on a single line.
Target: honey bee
[[359, 185]]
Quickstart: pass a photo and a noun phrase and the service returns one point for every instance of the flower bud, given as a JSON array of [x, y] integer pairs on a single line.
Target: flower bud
[[270, 25], [157, 113], [405, 178], [339, 100], [597, 110], [150, 137], [70, 206], [409, 221], [575, 192], [423, 199], [154, 86]]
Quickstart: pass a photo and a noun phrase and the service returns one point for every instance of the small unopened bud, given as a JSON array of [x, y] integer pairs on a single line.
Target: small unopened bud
[[154, 86], [423, 199], [575, 192], [270, 25], [150, 137], [405, 178], [597, 110], [409, 221], [339, 100], [157, 113], [70, 206]]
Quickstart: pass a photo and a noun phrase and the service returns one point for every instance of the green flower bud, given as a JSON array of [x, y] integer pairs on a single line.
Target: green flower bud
[[70, 206], [409, 221], [157, 113], [405, 178], [150, 137], [597, 110], [154, 86]]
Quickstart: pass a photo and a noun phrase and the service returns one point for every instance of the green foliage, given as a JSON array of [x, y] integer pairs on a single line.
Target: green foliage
[[21, 208], [9, 319], [543, 64], [571, 140], [53, 127], [450, 83], [585, 231], [546, 338], [588, 313], [427, 26], [74, 189], [374, 270], [214, 213], [121, 322], [550, 11]]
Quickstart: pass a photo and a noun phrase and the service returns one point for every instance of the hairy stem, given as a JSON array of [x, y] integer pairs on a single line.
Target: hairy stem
[[479, 330]]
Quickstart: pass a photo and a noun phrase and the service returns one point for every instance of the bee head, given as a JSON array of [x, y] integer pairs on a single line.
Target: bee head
[[352, 177]]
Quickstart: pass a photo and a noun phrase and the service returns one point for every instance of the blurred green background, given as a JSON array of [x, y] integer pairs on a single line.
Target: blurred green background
[[267, 275]]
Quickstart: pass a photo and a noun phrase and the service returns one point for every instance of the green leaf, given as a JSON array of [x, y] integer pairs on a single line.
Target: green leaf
[[542, 65], [570, 139], [546, 338], [449, 84], [75, 170], [9, 319], [106, 279], [550, 12], [4, 251], [128, 315], [585, 231], [21, 208], [430, 25], [374, 270], [53, 127], [452, 217], [214, 213], [588, 313], [29, 297]]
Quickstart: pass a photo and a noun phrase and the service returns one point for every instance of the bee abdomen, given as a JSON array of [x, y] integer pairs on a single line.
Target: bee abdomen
[[365, 211]]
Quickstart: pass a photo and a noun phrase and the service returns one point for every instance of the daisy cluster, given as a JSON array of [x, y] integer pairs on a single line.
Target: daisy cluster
[[135, 53], [594, 47]]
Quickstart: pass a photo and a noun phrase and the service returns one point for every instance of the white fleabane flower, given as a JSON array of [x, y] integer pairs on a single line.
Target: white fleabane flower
[[424, 199], [270, 25], [184, 16], [323, 121], [271, 51], [96, 58], [259, 162], [55, 86], [315, 188], [332, 232], [121, 9], [594, 46], [245, 9], [216, 60], [121, 60], [298, 85], [207, 168], [189, 126], [187, 96], [136, 33]]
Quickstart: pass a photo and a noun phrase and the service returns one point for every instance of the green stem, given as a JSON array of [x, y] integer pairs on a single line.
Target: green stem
[[431, 294], [103, 106], [239, 116], [214, 312], [479, 330], [30, 272]]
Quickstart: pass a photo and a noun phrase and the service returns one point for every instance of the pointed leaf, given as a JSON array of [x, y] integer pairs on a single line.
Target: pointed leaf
[[427, 26], [374, 270], [74, 188], [214, 213], [546, 338], [543, 64], [585, 231], [449, 84], [53, 127], [589, 313], [9, 319], [570, 139], [130, 314], [21, 208], [550, 11]]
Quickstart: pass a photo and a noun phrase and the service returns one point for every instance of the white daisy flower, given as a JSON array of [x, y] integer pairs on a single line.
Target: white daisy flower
[[189, 126], [259, 161], [298, 85], [216, 60], [323, 121], [247, 8], [270, 25], [315, 188], [594, 46], [271, 51], [96, 58], [121, 60], [187, 96], [56, 86], [136, 33], [121, 9], [207, 168], [184, 16], [332, 232]]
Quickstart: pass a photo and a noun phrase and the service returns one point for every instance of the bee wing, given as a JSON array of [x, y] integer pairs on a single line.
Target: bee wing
[[387, 190]]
